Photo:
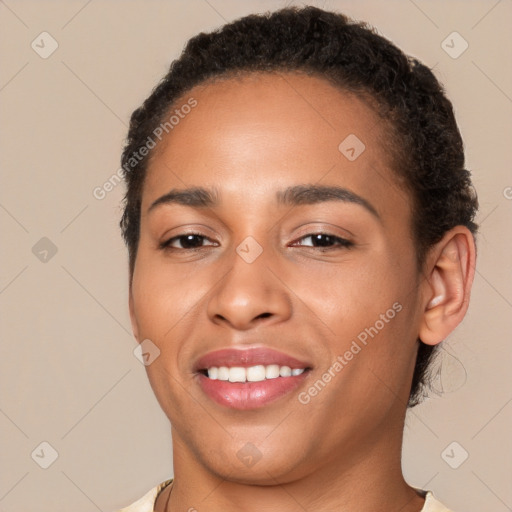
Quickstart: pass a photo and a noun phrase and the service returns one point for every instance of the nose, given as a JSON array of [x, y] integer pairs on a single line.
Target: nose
[[249, 294]]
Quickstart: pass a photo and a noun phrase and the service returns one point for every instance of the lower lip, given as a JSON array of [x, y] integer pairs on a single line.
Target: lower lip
[[249, 395]]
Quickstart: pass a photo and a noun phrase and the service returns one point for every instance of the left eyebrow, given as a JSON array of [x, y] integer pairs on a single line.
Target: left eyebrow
[[312, 194]]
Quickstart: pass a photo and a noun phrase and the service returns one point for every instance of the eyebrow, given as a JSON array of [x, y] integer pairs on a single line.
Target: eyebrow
[[196, 197], [200, 197], [312, 194]]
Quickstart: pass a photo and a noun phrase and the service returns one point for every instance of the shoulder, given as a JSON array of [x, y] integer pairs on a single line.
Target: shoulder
[[433, 505], [147, 502]]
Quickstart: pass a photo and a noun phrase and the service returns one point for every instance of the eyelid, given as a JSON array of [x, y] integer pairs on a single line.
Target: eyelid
[[341, 241], [188, 228], [311, 228], [166, 243]]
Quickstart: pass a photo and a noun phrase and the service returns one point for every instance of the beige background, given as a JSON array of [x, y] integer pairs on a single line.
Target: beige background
[[68, 374]]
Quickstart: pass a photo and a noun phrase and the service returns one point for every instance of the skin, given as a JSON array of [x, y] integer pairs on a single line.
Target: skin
[[248, 138]]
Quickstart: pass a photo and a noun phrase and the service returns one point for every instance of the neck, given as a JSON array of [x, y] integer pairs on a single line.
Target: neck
[[368, 480]]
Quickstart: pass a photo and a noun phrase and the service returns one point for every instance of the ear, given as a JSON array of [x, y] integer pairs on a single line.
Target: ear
[[133, 317], [450, 270]]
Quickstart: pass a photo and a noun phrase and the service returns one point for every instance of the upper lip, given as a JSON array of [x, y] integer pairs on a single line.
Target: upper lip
[[246, 357]]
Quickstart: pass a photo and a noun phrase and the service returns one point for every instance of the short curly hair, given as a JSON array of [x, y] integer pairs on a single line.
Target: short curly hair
[[424, 141]]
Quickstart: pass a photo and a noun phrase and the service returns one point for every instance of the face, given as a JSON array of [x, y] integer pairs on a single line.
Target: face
[[291, 273]]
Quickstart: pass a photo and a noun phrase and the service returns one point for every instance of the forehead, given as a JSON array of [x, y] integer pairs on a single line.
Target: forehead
[[305, 109], [275, 129]]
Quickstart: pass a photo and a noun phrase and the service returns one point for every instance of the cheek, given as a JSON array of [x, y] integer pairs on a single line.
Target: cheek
[[164, 305], [163, 296], [370, 309], [386, 329], [351, 296]]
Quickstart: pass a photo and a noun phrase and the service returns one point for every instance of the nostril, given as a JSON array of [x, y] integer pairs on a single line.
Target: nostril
[[264, 315]]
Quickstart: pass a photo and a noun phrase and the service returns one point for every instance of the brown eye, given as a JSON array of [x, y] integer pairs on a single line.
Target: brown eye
[[186, 241], [325, 240]]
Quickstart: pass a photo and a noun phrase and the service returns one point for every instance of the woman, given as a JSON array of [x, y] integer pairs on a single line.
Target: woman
[[300, 232]]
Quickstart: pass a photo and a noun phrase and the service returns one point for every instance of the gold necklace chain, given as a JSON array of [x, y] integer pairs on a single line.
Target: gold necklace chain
[[168, 498]]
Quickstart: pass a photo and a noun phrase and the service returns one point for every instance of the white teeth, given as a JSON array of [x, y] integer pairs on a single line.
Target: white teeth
[[237, 374], [272, 371], [256, 373], [223, 373], [285, 371]]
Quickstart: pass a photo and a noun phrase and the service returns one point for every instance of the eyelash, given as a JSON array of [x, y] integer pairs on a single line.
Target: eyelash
[[341, 242]]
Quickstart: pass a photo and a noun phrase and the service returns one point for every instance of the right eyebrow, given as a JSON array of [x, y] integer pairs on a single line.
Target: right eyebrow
[[196, 197]]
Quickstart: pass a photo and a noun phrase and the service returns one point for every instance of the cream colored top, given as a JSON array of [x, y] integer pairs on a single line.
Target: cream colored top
[[147, 502]]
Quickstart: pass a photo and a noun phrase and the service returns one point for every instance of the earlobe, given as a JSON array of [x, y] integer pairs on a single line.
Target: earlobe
[[448, 285], [133, 317]]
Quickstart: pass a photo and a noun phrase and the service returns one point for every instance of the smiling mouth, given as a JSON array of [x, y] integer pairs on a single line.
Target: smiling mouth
[[250, 378], [256, 373], [252, 387]]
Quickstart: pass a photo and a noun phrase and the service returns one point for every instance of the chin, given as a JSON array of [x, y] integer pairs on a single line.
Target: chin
[[251, 466]]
